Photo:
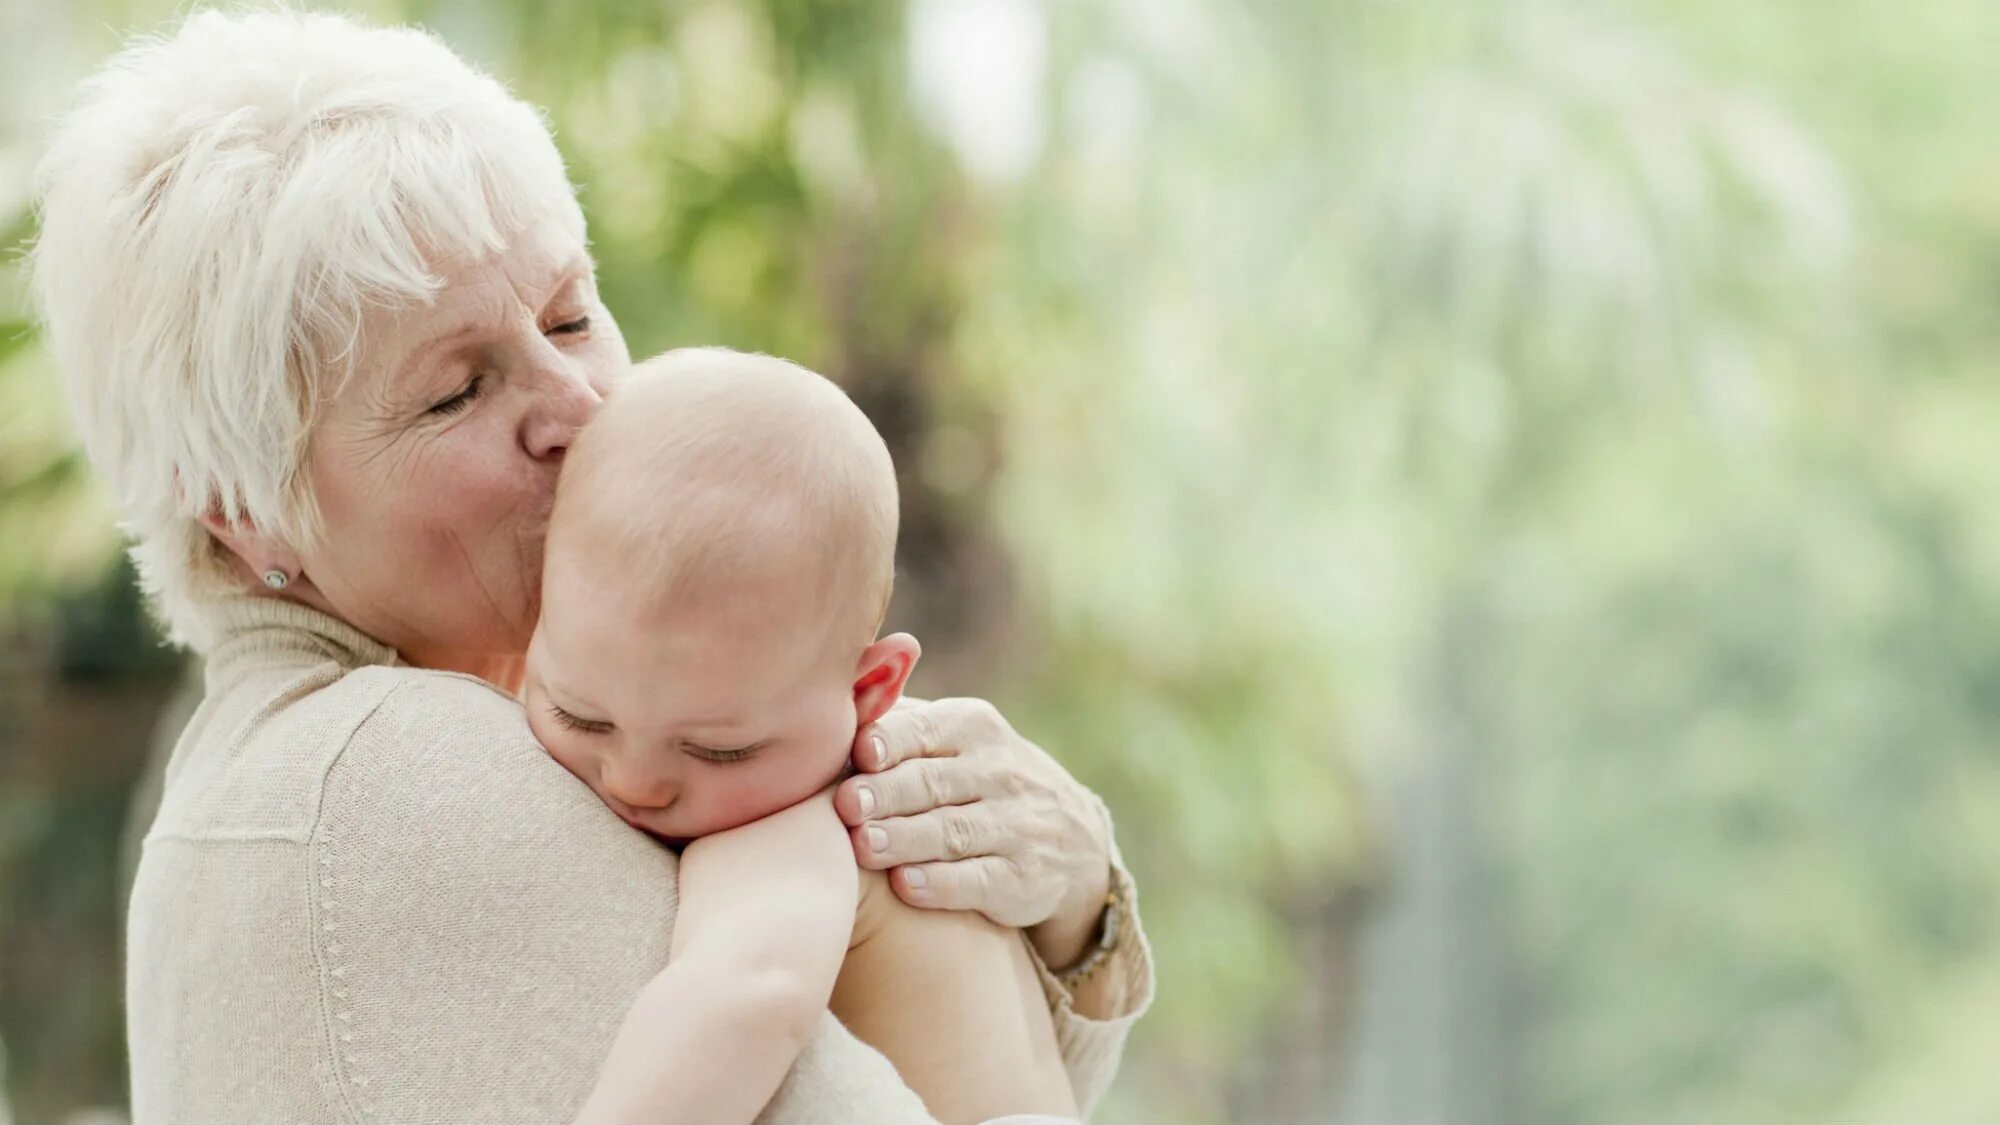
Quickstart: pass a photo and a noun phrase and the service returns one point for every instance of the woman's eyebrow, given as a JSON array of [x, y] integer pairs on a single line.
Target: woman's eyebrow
[[576, 272], [435, 344]]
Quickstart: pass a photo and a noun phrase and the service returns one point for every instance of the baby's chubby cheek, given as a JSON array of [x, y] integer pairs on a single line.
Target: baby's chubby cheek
[[732, 797]]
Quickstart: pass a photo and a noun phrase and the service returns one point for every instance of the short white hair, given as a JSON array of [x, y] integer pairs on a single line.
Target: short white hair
[[219, 211]]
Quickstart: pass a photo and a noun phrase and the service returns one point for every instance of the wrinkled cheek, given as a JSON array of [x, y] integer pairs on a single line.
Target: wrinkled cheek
[[492, 533]]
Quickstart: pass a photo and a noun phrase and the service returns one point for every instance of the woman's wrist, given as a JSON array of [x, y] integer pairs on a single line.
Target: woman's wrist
[[1069, 935]]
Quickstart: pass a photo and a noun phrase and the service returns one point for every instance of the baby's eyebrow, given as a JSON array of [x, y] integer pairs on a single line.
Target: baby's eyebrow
[[552, 689], [712, 725]]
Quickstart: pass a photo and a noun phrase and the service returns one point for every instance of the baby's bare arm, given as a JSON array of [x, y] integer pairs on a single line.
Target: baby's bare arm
[[764, 912], [953, 1001]]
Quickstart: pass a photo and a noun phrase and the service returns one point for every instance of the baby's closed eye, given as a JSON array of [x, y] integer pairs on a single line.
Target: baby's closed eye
[[575, 723], [722, 754]]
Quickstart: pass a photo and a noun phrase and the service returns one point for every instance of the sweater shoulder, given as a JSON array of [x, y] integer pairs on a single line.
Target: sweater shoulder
[[479, 921], [422, 727], [445, 767]]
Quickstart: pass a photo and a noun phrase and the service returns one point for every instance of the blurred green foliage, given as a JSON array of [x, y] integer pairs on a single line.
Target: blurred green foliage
[[1590, 401]]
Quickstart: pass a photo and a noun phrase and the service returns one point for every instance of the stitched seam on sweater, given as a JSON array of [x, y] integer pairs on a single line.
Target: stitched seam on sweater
[[336, 1013], [244, 836], [301, 684]]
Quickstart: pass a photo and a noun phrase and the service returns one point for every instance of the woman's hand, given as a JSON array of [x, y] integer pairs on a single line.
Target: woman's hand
[[966, 814]]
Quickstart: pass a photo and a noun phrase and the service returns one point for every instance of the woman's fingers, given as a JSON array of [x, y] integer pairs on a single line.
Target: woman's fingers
[[953, 832], [968, 884], [910, 788], [966, 814], [939, 729], [898, 736]]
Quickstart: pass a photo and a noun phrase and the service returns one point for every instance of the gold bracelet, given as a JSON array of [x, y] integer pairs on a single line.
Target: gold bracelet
[[1107, 941]]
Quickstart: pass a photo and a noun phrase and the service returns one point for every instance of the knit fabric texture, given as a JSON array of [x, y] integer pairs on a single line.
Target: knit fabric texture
[[370, 896]]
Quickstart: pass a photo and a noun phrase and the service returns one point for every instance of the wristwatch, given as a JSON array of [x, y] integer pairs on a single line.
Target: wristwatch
[[1107, 937]]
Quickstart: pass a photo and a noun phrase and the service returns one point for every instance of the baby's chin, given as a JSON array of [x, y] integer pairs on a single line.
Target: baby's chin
[[679, 827]]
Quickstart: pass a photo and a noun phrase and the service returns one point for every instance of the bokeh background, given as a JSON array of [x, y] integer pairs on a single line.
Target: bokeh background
[[1499, 497]]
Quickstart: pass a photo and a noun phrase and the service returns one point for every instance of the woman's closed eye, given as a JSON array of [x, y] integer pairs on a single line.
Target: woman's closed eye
[[464, 398], [461, 400], [582, 726]]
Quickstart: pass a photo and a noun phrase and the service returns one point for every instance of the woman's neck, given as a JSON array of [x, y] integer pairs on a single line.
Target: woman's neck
[[506, 672]]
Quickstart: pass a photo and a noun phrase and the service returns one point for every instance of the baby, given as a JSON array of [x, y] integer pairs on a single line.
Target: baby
[[718, 566]]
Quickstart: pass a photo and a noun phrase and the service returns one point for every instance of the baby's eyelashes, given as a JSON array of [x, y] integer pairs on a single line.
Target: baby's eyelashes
[[721, 754], [580, 725]]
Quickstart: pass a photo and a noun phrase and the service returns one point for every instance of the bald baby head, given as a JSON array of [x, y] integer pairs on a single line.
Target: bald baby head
[[717, 567], [720, 481]]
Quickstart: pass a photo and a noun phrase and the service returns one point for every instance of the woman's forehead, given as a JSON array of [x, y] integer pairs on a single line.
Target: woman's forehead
[[488, 292], [540, 256]]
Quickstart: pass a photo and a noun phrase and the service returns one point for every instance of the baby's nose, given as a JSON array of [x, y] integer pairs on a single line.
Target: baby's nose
[[639, 787]]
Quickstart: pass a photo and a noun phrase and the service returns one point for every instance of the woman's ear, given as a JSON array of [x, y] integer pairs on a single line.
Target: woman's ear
[[260, 554], [880, 675]]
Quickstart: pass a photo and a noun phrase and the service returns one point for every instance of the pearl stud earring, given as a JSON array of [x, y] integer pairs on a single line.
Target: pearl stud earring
[[277, 579]]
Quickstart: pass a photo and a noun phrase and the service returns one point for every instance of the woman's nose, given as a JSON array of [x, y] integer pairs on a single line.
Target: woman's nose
[[565, 402]]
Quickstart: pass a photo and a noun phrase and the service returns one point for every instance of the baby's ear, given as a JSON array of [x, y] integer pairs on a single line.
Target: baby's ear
[[880, 675]]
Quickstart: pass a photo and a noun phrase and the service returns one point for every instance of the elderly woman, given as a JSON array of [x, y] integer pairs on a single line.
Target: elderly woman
[[322, 298]]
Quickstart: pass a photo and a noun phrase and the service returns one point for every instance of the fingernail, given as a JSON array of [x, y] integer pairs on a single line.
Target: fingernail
[[913, 877], [881, 749], [878, 840], [865, 797]]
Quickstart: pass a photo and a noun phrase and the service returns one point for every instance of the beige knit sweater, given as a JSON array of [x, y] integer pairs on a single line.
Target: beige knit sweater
[[370, 896]]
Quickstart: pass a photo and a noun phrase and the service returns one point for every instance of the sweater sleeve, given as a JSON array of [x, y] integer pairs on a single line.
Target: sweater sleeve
[[1118, 992], [481, 923]]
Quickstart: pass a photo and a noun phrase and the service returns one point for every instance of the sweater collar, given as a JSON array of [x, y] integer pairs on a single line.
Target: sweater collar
[[250, 628]]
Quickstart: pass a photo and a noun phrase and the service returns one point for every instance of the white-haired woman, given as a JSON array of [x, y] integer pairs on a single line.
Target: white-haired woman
[[321, 295]]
